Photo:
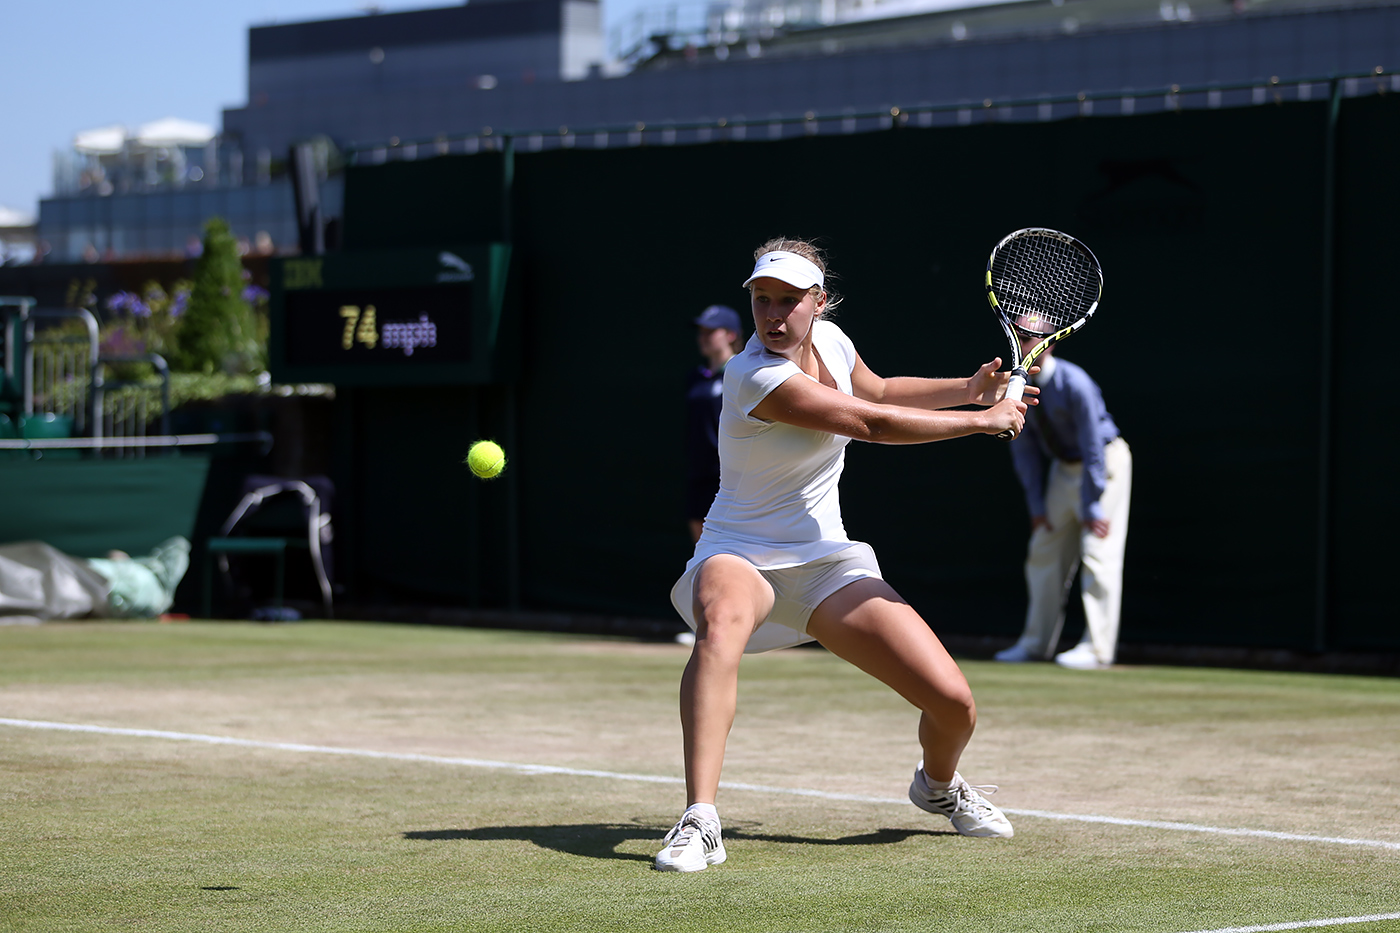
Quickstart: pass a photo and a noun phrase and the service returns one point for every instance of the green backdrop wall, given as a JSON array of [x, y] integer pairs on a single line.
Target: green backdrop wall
[[89, 507], [1212, 346]]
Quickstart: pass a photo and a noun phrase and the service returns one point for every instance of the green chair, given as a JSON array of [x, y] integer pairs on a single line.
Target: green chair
[[274, 515], [45, 425], [49, 426], [277, 547]]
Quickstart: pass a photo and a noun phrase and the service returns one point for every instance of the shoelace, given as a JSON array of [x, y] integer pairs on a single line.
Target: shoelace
[[681, 834], [964, 792]]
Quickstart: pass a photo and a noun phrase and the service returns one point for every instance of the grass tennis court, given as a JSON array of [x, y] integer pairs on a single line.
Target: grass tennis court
[[302, 828]]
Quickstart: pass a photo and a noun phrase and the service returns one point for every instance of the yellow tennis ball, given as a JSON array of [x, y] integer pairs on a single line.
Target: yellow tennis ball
[[486, 459]]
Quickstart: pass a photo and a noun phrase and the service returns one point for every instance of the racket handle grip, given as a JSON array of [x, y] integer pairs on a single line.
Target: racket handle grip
[[1016, 385], [1015, 388]]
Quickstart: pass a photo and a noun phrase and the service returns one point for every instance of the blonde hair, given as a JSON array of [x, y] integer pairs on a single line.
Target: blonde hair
[[810, 251]]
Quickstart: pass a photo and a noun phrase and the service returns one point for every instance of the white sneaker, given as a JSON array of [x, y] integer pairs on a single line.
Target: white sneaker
[[1081, 658], [1016, 654], [693, 844], [971, 813]]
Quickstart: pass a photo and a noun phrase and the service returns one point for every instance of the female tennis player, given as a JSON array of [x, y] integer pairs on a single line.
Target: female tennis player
[[774, 567]]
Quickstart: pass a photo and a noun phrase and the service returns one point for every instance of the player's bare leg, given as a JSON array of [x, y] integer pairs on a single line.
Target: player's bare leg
[[869, 625], [731, 599]]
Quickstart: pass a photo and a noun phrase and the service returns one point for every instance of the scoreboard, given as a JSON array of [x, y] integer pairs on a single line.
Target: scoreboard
[[390, 317]]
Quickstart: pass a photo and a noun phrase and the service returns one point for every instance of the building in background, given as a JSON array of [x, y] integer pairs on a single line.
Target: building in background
[[132, 193], [165, 154], [18, 237], [405, 85], [141, 195]]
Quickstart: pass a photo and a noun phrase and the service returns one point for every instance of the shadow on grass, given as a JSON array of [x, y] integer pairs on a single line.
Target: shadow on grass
[[601, 840]]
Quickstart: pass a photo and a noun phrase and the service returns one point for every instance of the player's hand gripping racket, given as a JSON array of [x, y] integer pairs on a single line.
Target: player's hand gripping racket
[[1042, 284]]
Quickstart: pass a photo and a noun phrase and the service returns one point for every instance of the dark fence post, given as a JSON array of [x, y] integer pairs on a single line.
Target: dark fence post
[[1324, 421]]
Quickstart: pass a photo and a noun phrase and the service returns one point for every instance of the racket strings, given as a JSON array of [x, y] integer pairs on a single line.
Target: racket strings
[[1043, 283]]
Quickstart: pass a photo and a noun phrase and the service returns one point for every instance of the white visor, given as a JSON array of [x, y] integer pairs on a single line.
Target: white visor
[[791, 268]]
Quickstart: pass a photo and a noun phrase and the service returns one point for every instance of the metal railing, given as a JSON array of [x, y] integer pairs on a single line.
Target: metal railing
[[749, 128], [59, 383], [710, 23], [160, 441], [59, 368], [124, 405]]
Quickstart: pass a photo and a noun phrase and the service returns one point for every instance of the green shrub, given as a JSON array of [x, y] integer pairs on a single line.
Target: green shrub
[[219, 330]]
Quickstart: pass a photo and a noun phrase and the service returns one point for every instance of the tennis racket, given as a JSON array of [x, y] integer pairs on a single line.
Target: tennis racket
[[1042, 284]]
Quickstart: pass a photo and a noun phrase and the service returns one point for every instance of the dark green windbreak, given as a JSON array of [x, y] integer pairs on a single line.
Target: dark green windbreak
[[89, 507], [1212, 345]]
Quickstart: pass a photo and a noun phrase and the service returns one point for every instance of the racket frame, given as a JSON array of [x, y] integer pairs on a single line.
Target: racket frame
[[1016, 386]]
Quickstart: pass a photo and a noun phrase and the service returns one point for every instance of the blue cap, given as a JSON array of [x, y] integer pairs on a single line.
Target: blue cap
[[719, 316]]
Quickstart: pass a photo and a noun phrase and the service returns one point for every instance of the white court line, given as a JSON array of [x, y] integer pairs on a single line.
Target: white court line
[[661, 779], [1196, 828], [1304, 924]]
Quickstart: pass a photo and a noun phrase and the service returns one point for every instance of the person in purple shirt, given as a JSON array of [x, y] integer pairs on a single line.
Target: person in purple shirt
[[1077, 474]]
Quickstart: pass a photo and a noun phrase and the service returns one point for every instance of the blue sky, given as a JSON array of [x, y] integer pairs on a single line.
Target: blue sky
[[72, 65]]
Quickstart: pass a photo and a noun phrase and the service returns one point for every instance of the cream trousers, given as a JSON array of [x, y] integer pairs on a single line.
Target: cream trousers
[[1055, 552]]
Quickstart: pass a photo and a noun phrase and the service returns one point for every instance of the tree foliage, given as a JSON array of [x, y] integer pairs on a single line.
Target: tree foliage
[[219, 330]]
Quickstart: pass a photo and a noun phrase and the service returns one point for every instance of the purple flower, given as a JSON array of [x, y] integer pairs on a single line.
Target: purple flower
[[129, 302], [182, 300], [254, 294]]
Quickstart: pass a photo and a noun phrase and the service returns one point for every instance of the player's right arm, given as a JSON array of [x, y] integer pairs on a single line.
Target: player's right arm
[[804, 403]]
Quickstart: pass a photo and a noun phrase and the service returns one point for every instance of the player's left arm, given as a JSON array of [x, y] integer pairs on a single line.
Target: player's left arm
[[985, 387]]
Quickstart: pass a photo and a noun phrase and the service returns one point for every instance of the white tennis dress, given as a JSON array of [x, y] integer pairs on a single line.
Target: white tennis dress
[[778, 504]]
